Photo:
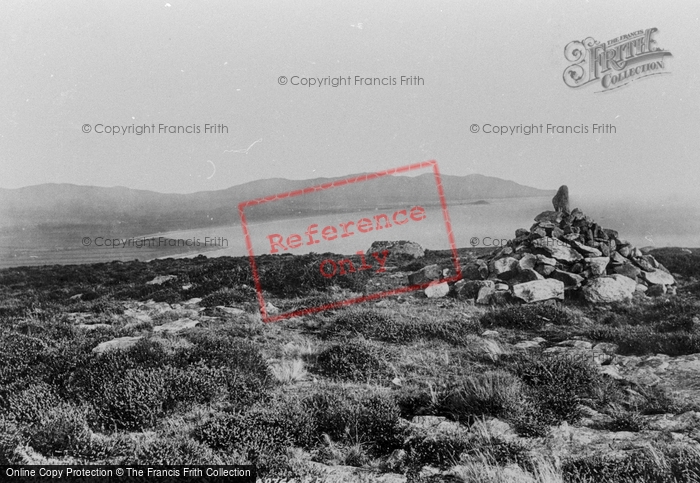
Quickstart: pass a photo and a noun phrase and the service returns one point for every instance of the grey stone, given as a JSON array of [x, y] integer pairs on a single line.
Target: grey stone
[[608, 289], [656, 290], [538, 290], [484, 295], [658, 277], [526, 275], [545, 270], [119, 343], [437, 290], [161, 279], [588, 251], [628, 270], [477, 270], [597, 265], [176, 326], [425, 274], [470, 288], [549, 217], [570, 280], [541, 259], [557, 249], [528, 261], [502, 266], [397, 248]]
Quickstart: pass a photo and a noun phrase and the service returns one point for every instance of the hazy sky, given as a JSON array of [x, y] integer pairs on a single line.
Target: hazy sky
[[64, 64]]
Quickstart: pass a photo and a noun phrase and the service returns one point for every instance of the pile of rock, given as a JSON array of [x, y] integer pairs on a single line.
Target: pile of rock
[[564, 254]]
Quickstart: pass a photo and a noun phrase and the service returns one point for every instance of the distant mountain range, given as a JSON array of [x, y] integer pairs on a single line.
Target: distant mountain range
[[135, 212]]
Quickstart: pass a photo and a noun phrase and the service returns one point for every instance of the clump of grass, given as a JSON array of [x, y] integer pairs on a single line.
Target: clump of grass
[[494, 393], [289, 371], [649, 465], [626, 420], [482, 468]]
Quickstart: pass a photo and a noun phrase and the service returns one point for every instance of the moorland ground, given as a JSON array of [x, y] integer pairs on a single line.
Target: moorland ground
[[406, 388]]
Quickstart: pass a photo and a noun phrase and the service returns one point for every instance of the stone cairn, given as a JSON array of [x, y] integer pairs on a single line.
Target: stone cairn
[[563, 254]]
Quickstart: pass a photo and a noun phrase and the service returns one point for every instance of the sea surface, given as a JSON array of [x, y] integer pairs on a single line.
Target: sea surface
[[487, 224]]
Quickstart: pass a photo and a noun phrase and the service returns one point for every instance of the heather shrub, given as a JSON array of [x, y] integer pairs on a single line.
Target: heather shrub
[[61, 429], [195, 384], [132, 400], [368, 418], [301, 274], [353, 360], [262, 434], [22, 356], [175, 451], [226, 297], [28, 406], [217, 349]]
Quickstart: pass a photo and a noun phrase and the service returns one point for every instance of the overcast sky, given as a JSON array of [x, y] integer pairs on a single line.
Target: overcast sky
[[64, 64]]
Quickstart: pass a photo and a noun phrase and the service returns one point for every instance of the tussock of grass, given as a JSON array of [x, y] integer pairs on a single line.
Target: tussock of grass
[[650, 465], [289, 371]]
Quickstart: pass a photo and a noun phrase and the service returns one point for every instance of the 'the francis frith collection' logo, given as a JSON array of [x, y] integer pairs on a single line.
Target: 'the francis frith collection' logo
[[615, 63]]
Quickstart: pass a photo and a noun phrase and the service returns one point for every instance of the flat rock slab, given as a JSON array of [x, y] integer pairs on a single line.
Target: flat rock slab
[[557, 249], [230, 310], [93, 326], [658, 277], [161, 279], [119, 343], [176, 325]]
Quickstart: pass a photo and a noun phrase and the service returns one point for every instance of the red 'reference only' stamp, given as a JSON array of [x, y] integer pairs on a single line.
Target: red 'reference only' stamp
[[311, 234]]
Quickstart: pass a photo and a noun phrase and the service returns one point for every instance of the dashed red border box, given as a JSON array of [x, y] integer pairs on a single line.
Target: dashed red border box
[[341, 303]]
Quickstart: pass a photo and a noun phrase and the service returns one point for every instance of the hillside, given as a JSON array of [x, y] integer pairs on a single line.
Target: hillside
[[134, 212]]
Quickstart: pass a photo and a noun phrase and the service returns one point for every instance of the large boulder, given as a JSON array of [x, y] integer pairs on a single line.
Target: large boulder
[[609, 289], [539, 290], [397, 248], [658, 277]]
